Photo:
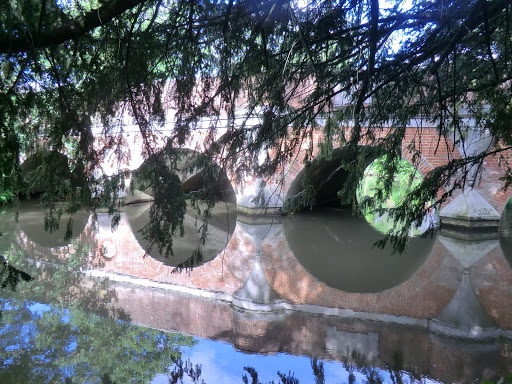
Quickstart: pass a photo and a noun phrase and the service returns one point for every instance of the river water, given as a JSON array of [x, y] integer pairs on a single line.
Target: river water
[[305, 299]]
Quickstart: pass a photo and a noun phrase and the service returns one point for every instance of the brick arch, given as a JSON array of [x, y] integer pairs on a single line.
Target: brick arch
[[297, 167], [423, 166], [489, 184], [191, 180], [432, 153], [224, 274]]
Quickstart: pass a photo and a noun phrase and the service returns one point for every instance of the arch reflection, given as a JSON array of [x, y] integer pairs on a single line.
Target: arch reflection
[[194, 178], [337, 249], [220, 229], [31, 221]]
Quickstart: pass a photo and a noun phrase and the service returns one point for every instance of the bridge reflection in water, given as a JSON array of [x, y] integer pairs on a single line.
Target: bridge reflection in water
[[311, 285]]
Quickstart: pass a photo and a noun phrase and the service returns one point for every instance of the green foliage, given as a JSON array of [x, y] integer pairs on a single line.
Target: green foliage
[[71, 69], [6, 197], [406, 178], [502, 380], [51, 283], [390, 195], [301, 200]]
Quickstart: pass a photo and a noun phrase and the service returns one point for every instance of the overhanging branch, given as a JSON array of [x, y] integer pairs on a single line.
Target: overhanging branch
[[41, 39]]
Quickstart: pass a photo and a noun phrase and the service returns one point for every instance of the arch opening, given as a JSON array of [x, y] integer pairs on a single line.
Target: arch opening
[[406, 178], [56, 164], [326, 177], [188, 249]]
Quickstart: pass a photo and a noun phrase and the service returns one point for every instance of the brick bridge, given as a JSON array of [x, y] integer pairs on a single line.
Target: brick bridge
[[486, 196], [256, 295]]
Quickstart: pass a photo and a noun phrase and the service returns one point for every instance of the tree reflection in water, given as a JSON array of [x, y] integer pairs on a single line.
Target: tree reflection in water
[[68, 343], [46, 343], [11, 276], [64, 327], [77, 338]]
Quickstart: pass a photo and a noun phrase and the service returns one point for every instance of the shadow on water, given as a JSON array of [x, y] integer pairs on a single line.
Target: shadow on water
[[11, 276]]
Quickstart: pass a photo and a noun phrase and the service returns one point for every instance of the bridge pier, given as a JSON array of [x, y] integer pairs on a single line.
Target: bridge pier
[[469, 215], [259, 199]]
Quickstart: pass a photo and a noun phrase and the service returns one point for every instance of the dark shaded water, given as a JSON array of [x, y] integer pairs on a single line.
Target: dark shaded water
[[309, 299], [344, 253]]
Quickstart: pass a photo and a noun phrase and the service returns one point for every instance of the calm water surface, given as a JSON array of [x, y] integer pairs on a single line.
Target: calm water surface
[[309, 299]]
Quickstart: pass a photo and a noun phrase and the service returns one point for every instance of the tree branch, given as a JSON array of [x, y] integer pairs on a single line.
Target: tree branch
[[41, 39]]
